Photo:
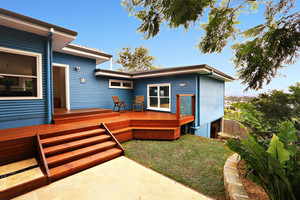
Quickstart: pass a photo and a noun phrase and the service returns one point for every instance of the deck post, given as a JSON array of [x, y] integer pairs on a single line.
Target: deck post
[[178, 106], [193, 105]]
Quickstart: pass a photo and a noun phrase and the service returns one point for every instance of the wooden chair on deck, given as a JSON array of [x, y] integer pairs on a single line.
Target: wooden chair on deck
[[118, 103], [139, 101]]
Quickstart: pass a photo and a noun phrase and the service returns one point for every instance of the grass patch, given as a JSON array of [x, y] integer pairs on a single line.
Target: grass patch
[[194, 161]]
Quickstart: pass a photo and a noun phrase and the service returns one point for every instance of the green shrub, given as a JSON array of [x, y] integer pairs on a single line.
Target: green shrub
[[275, 162]]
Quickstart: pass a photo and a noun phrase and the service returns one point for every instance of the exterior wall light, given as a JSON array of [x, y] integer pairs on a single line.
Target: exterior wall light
[[77, 68], [182, 84]]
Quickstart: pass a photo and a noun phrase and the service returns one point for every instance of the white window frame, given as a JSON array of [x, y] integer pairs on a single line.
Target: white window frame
[[121, 84], [38, 73], [158, 96]]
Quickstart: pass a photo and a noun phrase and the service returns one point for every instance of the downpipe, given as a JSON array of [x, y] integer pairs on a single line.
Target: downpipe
[[48, 73]]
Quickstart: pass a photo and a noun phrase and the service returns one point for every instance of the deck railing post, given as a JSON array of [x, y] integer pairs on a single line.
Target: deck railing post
[[193, 105], [178, 106]]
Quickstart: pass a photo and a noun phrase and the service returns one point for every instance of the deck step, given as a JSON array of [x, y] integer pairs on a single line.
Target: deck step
[[79, 153], [71, 137], [80, 112], [118, 131], [62, 148], [84, 117], [83, 163], [118, 125], [156, 133], [154, 128]]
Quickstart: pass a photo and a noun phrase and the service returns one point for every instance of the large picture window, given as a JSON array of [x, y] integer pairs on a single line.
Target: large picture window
[[159, 97], [20, 74]]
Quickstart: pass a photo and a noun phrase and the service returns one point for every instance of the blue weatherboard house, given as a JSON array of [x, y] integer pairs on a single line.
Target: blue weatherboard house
[[41, 69]]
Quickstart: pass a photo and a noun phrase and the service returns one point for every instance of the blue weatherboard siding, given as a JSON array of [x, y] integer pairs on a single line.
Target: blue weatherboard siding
[[211, 104], [95, 92], [140, 86], [18, 113], [203, 130], [211, 93]]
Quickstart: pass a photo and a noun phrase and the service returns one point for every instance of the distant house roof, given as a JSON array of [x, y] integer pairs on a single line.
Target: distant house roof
[[200, 69], [61, 40]]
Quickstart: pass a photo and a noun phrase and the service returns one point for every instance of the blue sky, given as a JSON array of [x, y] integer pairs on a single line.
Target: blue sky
[[105, 25]]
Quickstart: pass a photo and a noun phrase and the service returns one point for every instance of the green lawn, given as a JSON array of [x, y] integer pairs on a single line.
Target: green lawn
[[194, 161]]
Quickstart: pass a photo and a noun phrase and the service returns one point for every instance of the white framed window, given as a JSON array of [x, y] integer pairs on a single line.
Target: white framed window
[[159, 97], [20, 74], [120, 84]]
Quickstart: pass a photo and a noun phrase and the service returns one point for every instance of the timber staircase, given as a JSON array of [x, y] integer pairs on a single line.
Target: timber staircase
[[69, 152]]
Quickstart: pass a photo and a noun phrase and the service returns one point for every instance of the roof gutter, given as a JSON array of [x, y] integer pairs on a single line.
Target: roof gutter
[[48, 74]]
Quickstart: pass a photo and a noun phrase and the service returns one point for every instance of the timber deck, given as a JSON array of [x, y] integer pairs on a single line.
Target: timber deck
[[80, 139]]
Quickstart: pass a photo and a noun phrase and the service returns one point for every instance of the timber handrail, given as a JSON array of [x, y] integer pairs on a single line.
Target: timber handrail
[[179, 102], [113, 138], [42, 157]]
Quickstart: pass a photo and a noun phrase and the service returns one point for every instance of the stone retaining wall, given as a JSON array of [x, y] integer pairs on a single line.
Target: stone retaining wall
[[233, 185]]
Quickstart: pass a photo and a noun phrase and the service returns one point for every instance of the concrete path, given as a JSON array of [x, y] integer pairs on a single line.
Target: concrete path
[[120, 178]]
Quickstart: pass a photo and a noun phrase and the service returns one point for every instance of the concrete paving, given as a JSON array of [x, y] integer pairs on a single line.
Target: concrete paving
[[120, 178]]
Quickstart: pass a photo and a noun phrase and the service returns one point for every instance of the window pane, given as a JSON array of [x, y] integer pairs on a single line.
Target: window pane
[[186, 105], [17, 64], [118, 84], [126, 84], [164, 102], [18, 87], [153, 91], [153, 102], [164, 91]]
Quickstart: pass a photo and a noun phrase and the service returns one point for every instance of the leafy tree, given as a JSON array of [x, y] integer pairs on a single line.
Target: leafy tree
[[275, 163], [251, 117], [265, 113], [138, 60], [295, 102], [268, 47], [275, 107]]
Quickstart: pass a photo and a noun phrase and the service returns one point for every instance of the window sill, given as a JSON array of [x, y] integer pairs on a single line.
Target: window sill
[[20, 98], [159, 109]]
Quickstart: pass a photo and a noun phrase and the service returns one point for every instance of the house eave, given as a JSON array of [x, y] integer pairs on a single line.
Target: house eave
[[61, 40], [198, 69]]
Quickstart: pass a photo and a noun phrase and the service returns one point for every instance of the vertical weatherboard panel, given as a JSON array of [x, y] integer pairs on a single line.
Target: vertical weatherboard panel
[[18, 113], [211, 99], [94, 93], [140, 86]]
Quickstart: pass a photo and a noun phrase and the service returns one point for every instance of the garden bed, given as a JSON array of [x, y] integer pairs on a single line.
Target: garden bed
[[254, 191]]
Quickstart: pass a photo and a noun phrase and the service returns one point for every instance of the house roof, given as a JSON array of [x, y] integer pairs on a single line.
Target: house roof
[[61, 40], [199, 69], [35, 21]]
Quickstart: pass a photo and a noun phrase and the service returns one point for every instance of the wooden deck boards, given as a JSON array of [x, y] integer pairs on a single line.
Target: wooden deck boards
[[21, 132], [66, 148]]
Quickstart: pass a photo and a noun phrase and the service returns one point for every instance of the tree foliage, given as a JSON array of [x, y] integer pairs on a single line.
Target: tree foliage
[[275, 163], [268, 47], [138, 60], [265, 113]]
